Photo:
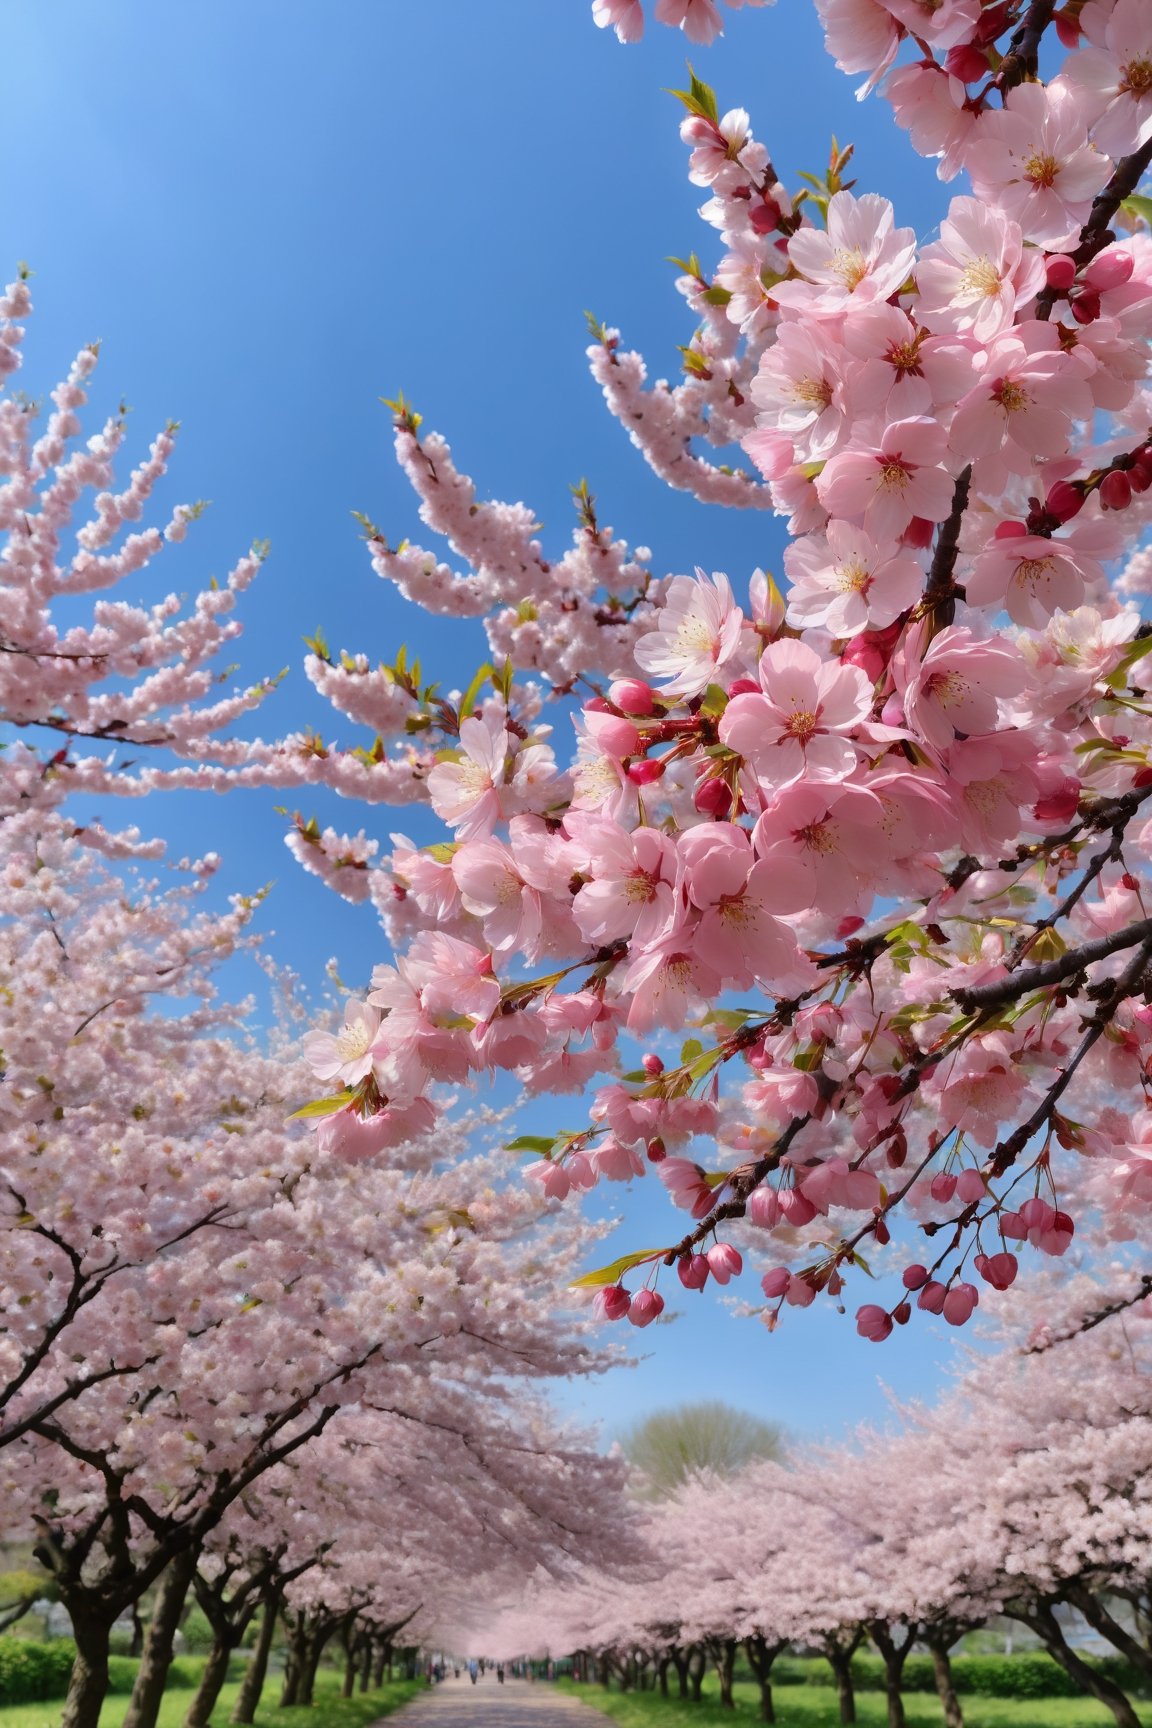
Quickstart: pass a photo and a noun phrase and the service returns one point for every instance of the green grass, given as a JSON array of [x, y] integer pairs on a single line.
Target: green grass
[[329, 1710], [816, 1707]]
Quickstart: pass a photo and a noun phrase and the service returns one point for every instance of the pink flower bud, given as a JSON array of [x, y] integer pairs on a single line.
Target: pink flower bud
[[902, 1313], [651, 1063], [656, 1150], [692, 1270], [970, 1186], [763, 217], [1060, 805], [613, 1302], [712, 797], [1010, 530], [764, 1208], [1037, 1214], [1067, 29], [1115, 490], [873, 1323], [645, 772], [1064, 501], [1086, 306], [801, 1293], [848, 926], [931, 1298], [966, 63], [796, 1207], [618, 737], [724, 1262], [1060, 272], [775, 1283], [959, 1303], [1109, 269], [942, 1187], [597, 705], [1057, 1238], [744, 687], [632, 696], [915, 1277], [647, 1305], [999, 1270]]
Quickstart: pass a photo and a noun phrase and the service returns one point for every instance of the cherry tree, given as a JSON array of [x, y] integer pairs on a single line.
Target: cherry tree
[[844, 877]]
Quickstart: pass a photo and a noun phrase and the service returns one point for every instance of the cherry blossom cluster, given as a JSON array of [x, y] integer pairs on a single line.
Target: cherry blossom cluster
[[700, 20], [837, 907], [898, 1540], [195, 1297]]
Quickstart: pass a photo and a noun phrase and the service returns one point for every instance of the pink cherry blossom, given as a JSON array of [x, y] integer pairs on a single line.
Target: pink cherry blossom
[[847, 582], [892, 481], [1032, 159], [800, 725], [1113, 75], [859, 257], [978, 274], [698, 633]]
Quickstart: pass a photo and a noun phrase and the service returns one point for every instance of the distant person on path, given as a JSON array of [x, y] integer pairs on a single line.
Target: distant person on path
[[473, 1670], [500, 1673]]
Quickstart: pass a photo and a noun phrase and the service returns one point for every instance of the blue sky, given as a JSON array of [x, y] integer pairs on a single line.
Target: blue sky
[[271, 214]]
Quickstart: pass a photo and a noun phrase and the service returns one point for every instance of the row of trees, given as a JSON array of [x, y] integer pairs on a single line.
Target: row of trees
[[236, 1363], [1024, 1493]]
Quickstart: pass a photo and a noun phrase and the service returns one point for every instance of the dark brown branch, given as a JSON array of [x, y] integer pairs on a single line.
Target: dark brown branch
[[1031, 978], [1096, 232]]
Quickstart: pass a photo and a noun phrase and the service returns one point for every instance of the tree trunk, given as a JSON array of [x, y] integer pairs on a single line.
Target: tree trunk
[[379, 1665], [662, 1675], [314, 1651], [697, 1663], [152, 1674], [88, 1683], [761, 1656], [894, 1656], [293, 1666], [1041, 1620], [840, 1663], [252, 1685], [723, 1654], [680, 1663], [1100, 1620], [215, 1673], [946, 1690], [136, 1648], [351, 1664]]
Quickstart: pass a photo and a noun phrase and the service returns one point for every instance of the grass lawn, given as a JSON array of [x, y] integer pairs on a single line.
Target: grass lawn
[[815, 1707], [329, 1710]]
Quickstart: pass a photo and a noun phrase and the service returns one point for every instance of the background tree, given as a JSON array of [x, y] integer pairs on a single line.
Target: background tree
[[669, 1446]]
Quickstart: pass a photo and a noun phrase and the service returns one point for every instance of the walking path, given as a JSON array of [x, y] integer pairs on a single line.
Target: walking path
[[516, 1704]]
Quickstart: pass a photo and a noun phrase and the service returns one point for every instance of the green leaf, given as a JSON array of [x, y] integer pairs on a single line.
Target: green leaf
[[1139, 205], [716, 296], [613, 1273], [691, 1048], [715, 700], [469, 698], [321, 1107], [699, 98], [531, 1143]]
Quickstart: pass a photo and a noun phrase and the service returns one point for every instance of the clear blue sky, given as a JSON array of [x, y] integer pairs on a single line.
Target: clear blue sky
[[272, 213]]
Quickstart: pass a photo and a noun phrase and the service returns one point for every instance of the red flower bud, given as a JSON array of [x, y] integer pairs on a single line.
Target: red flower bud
[[966, 63], [632, 696], [1064, 501], [1060, 271], [1115, 490], [692, 1270], [645, 773]]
